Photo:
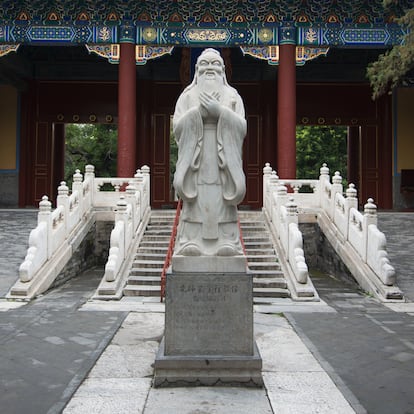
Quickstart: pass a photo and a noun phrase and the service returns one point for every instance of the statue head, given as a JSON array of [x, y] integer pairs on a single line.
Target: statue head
[[210, 64], [210, 69]]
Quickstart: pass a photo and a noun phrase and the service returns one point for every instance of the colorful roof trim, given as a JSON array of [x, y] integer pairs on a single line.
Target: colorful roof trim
[[204, 22]]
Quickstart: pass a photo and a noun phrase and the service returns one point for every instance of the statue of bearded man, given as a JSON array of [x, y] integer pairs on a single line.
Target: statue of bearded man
[[209, 127]]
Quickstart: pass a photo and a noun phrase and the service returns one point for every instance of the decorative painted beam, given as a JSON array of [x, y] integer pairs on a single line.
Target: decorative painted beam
[[271, 53], [6, 49], [185, 34], [143, 53]]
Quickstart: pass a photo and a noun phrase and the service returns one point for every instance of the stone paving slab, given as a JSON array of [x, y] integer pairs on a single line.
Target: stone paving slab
[[48, 347], [399, 231], [289, 368], [15, 227], [45, 355], [304, 392], [208, 400], [110, 395], [372, 353]]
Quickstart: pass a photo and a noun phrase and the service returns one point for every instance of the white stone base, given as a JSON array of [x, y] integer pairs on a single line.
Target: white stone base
[[207, 370]]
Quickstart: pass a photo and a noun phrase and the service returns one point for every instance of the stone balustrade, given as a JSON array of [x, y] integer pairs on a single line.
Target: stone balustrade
[[282, 214], [51, 242], [350, 229], [131, 216]]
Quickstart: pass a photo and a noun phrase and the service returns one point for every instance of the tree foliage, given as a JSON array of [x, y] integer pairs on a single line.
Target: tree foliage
[[94, 144], [318, 144], [390, 68]]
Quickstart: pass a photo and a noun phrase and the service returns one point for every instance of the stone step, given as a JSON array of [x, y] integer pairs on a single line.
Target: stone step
[[248, 224], [268, 280], [258, 252], [145, 274], [270, 301], [253, 226], [272, 282], [158, 231], [154, 243], [259, 238], [254, 233], [150, 271], [156, 237], [262, 257], [251, 217], [161, 222], [144, 280], [269, 265], [142, 290], [263, 273], [149, 255], [148, 264], [257, 245], [162, 251], [271, 292]]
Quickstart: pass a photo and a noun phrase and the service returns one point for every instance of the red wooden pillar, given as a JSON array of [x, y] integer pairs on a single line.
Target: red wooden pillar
[[286, 108], [126, 163]]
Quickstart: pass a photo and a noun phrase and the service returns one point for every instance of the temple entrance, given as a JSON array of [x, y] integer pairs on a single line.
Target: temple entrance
[[316, 144], [162, 195], [48, 105], [94, 144]]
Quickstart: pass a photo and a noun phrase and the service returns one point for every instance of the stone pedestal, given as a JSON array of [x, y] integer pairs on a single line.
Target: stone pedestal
[[208, 325]]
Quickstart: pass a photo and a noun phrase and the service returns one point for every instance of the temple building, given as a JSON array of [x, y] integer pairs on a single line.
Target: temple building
[[126, 62]]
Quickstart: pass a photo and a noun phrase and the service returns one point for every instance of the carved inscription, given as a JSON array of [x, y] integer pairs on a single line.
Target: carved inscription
[[207, 293], [209, 315]]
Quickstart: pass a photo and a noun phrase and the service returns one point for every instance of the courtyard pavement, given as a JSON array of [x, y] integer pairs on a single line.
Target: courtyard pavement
[[15, 227], [66, 353]]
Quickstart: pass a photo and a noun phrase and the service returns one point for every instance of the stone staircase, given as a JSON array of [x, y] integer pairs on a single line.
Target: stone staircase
[[145, 274], [268, 280]]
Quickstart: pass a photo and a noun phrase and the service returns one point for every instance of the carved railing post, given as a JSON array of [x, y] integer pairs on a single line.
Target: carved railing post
[[336, 187], [295, 252], [63, 200], [324, 172], [267, 170], [139, 184], [45, 216], [88, 187], [77, 186], [370, 212], [131, 194], [146, 173], [351, 201], [272, 183], [291, 217], [117, 241], [369, 217], [121, 208]]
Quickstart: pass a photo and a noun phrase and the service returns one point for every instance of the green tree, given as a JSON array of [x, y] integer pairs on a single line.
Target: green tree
[[94, 144], [390, 68], [318, 144]]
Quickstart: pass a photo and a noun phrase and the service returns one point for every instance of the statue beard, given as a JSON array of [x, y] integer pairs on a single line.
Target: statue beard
[[210, 85]]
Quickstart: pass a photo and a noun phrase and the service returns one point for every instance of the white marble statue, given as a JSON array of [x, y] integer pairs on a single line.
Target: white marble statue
[[209, 127]]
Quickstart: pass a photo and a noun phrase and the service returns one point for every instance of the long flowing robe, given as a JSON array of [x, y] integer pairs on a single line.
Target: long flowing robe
[[209, 198]]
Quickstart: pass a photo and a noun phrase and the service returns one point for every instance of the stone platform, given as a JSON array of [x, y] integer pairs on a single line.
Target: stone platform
[[176, 370], [209, 325]]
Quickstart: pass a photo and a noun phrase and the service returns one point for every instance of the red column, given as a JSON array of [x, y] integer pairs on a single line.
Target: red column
[[286, 108], [126, 164]]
